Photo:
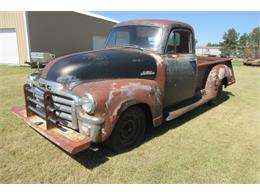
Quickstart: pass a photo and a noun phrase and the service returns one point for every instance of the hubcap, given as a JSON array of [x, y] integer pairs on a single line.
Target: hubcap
[[129, 131]]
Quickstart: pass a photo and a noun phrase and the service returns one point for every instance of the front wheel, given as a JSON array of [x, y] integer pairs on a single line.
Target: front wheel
[[129, 130]]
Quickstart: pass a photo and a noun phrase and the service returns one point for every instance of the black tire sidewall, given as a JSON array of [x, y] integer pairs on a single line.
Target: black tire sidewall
[[115, 141]]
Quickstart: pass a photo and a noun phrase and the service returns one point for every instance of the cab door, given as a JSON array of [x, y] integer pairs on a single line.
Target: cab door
[[181, 67]]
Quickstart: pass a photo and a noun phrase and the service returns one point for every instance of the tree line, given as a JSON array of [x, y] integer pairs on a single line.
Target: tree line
[[246, 46]]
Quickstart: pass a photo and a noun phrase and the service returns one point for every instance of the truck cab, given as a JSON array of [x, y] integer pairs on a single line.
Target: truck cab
[[176, 45], [148, 73]]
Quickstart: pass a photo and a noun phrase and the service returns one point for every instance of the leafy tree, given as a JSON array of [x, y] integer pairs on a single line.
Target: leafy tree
[[255, 42], [230, 42], [249, 44], [213, 44], [244, 45]]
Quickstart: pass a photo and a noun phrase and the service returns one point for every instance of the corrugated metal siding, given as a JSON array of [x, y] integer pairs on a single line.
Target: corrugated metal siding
[[15, 19]]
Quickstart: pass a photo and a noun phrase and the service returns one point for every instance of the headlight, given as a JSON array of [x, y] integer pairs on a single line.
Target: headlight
[[87, 103]]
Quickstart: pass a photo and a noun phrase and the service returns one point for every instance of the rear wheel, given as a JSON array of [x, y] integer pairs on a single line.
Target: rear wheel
[[129, 130], [217, 99]]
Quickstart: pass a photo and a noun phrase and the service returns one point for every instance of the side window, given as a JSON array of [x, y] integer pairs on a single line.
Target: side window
[[180, 41]]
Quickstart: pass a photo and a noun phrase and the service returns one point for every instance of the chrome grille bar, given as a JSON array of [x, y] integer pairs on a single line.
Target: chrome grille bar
[[37, 112], [64, 106], [36, 102], [63, 115], [60, 100]]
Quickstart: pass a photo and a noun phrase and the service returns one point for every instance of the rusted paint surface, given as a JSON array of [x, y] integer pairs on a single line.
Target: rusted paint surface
[[206, 61], [252, 62], [27, 94], [66, 138], [50, 116], [202, 72], [160, 77], [159, 23], [204, 65], [215, 78], [174, 114], [115, 95]]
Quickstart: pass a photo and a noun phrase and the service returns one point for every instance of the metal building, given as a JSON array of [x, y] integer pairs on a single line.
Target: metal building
[[208, 51], [58, 32]]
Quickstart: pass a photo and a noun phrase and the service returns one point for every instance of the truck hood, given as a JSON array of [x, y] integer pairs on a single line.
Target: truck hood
[[101, 64]]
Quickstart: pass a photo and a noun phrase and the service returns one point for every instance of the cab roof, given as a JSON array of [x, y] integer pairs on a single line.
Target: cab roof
[[155, 22]]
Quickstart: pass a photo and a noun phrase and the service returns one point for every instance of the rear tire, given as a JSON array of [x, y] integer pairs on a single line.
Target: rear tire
[[129, 130], [217, 100]]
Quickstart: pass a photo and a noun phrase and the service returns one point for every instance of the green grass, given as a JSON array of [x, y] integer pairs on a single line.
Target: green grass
[[207, 145]]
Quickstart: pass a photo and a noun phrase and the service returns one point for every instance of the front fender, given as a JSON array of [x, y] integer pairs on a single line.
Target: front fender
[[113, 97]]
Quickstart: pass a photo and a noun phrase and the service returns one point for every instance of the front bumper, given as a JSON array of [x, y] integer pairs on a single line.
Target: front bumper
[[55, 115], [68, 139]]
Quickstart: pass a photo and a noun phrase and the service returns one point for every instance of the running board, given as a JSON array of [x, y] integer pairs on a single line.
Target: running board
[[176, 113]]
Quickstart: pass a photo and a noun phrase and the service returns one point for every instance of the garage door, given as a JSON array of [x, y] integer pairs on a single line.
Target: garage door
[[8, 46]]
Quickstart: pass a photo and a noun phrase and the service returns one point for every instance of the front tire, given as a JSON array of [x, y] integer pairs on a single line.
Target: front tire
[[129, 130]]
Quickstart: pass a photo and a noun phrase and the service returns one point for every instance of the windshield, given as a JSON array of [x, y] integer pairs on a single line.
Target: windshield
[[147, 37]]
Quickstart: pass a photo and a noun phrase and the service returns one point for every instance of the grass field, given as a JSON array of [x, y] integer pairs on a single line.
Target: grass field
[[208, 145]]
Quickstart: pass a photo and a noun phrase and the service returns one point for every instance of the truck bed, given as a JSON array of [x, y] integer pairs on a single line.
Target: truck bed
[[204, 61]]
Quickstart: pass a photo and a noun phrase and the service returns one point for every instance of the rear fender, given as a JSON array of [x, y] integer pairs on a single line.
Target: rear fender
[[216, 77]]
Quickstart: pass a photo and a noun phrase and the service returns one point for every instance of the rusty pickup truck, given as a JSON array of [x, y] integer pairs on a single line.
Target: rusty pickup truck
[[147, 73]]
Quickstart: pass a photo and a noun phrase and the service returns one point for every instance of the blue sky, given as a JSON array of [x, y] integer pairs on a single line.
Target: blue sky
[[208, 26]]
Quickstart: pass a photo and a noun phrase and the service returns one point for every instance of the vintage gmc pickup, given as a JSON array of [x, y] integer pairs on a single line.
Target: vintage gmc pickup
[[147, 73]]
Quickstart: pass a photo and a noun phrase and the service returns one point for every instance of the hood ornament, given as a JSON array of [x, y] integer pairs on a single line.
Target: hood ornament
[[67, 80]]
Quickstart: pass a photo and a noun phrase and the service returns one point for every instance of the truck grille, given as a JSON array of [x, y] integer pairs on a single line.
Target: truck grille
[[64, 106]]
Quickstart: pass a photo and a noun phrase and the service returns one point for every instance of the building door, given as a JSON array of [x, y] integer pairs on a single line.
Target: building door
[[8, 46]]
